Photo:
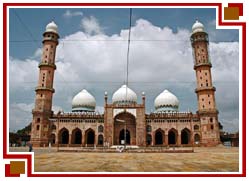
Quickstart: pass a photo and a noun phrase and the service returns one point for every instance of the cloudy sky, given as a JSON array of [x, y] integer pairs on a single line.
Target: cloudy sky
[[92, 55]]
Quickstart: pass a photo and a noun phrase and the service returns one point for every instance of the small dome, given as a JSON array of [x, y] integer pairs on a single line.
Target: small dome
[[83, 101], [166, 102], [121, 97], [197, 27], [52, 27]]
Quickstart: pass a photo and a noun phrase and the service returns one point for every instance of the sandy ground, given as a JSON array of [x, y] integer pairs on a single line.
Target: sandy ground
[[218, 159]]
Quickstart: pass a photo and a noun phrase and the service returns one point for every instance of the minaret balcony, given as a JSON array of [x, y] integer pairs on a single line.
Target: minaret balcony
[[42, 112], [212, 88], [39, 88], [203, 64], [42, 64], [55, 39], [208, 111]]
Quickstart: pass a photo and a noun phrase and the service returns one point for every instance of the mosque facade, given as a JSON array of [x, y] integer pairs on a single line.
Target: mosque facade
[[124, 120]]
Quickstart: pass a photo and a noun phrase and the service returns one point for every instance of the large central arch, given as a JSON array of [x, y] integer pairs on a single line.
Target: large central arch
[[130, 123]]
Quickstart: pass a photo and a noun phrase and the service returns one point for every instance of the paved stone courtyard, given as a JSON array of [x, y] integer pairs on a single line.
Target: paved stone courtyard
[[217, 159]]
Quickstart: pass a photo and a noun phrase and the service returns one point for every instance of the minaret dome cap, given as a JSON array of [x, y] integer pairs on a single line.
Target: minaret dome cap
[[197, 27], [52, 27]]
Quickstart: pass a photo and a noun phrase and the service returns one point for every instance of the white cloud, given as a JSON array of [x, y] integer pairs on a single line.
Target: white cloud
[[91, 25], [154, 66], [22, 73], [70, 14], [20, 115]]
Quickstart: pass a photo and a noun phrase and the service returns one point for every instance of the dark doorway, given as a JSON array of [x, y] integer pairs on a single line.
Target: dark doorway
[[197, 138], [159, 137], [77, 137], [148, 139], [90, 137], [65, 137], [185, 136], [128, 136], [100, 140], [172, 137]]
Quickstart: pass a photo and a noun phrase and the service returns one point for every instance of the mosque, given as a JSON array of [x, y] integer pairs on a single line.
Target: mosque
[[124, 120]]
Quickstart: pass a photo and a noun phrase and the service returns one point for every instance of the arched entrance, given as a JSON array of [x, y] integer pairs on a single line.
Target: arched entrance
[[119, 126], [76, 136], [148, 139], [185, 136], [90, 137], [64, 136], [172, 136], [197, 138], [159, 137], [122, 136], [100, 140]]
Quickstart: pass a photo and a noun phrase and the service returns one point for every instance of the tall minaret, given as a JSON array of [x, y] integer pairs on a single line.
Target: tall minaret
[[40, 133], [205, 90]]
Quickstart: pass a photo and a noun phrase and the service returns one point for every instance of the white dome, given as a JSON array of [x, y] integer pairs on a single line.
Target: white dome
[[83, 101], [197, 27], [121, 97], [52, 27], [166, 102]]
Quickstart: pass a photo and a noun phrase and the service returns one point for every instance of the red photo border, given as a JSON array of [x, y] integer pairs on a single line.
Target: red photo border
[[29, 157]]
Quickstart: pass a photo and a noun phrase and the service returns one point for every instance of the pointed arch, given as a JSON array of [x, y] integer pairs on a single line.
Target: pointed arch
[[197, 138], [159, 137], [64, 136], [76, 136], [172, 136], [185, 136], [100, 139], [90, 136]]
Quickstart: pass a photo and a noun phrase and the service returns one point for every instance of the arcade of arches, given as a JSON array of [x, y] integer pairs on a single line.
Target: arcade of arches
[[159, 137], [172, 137], [76, 137]]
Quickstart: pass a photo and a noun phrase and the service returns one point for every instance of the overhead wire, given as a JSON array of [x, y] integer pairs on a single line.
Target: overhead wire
[[26, 27]]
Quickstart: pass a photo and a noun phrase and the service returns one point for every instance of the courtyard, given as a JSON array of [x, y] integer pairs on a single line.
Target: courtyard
[[204, 159]]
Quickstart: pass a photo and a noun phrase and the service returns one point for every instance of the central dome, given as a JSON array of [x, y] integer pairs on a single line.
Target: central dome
[[124, 95], [83, 102], [166, 102]]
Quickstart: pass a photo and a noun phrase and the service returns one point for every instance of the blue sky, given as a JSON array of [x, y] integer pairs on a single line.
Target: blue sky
[[99, 66]]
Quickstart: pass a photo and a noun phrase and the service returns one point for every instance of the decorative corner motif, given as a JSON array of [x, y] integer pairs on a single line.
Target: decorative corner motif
[[15, 168], [233, 11]]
